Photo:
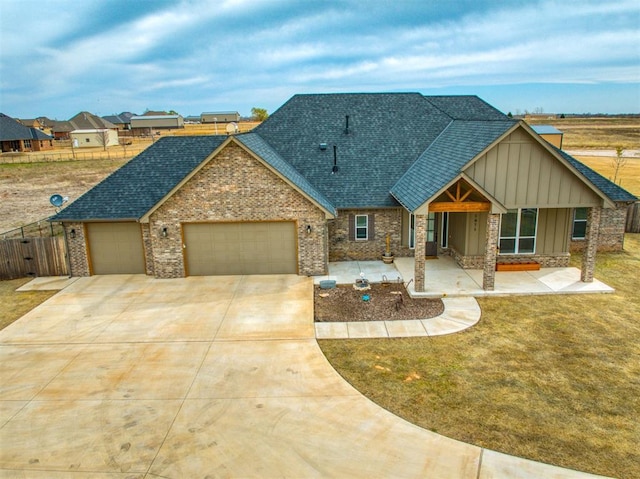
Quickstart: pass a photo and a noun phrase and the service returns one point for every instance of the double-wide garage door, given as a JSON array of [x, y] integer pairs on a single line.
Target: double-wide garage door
[[240, 248], [115, 248]]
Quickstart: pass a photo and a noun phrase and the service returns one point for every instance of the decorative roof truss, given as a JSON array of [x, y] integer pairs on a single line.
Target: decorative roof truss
[[460, 197]]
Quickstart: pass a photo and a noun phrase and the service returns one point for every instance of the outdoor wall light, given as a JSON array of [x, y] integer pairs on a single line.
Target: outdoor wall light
[[308, 229], [72, 234], [164, 232]]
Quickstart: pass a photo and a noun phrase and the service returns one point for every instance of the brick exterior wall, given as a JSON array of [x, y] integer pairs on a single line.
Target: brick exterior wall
[[148, 251], [591, 246], [386, 221], [420, 251], [236, 187], [491, 252], [611, 230], [77, 249]]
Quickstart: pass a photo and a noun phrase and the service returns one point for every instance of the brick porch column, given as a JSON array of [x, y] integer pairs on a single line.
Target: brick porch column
[[490, 252], [420, 251], [591, 244]]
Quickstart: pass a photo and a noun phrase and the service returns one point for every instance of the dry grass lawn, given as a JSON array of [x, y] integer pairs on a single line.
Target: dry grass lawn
[[15, 304], [551, 378], [629, 174]]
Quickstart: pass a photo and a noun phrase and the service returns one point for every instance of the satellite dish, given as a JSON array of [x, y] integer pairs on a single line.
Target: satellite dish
[[58, 200], [232, 128]]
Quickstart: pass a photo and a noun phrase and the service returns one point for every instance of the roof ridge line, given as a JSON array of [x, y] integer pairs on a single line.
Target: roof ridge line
[[437, 108], [421, 155]]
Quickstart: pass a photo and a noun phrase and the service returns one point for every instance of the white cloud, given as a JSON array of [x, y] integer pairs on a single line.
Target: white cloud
[[196, 51]]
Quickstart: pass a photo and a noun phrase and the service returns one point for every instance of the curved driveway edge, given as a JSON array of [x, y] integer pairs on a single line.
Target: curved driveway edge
[[459, 314], [132, 377]]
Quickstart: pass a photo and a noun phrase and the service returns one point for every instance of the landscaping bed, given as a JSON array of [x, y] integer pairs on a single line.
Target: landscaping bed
[[386, 302]]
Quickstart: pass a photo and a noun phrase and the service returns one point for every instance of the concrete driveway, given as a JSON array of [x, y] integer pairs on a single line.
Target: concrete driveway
[[203, 377]]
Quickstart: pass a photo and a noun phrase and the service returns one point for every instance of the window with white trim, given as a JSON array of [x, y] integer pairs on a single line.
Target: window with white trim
[[579, 229], [518, 231], [362, 227]]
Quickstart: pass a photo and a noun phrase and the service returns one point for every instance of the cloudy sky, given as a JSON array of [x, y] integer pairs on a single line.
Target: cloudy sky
[[59, 57]]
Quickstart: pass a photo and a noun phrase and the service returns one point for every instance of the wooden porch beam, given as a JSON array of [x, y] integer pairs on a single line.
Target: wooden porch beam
[[468, 207]]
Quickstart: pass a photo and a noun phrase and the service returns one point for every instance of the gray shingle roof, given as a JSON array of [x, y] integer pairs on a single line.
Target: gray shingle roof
[[117, 119], [608, 187], [11, 130], [445, 158], [466, 107], [399, 148], [268, 154], [131, 191], [387, 133]]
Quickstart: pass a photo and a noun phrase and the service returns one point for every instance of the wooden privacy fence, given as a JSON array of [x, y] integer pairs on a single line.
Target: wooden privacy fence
[[633, 219], [26, 257]]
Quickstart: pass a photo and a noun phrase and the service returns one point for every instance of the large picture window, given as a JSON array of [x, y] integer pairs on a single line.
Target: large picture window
[[579, 230], [518, 231]]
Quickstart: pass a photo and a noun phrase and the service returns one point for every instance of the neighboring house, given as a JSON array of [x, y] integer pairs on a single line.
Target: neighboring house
[[147, 123], [15, 137], [121, 121], [549, 133], [329, 178], [61, 130], [220, 117], [82, 121], [42, 122], [93, 138]]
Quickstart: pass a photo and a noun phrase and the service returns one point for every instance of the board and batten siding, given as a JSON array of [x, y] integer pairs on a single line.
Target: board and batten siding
[[553, 230], [520, 173], [467, 232]]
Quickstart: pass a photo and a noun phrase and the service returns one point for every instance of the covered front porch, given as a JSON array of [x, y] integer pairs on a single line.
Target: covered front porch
[[444, 278], [488, 231]]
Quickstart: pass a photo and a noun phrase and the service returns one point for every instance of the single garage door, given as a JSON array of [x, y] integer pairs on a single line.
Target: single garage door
[[116, 248], [241, 248]]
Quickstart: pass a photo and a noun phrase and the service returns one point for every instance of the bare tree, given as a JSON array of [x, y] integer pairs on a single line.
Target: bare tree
[[618, 163], [103, 138], [123, 143]]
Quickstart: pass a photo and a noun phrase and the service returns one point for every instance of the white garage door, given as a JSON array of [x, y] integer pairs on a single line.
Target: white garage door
[[241, 248], [115, 248]]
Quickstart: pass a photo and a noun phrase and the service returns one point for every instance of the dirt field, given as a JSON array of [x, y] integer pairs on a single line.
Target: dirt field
[[25, 189], [26, 184], [596, 133]]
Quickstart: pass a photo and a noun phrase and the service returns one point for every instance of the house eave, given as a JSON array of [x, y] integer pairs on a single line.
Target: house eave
[[93, 220]]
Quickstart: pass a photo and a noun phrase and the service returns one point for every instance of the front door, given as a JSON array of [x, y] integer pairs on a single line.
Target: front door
[[432, 236]]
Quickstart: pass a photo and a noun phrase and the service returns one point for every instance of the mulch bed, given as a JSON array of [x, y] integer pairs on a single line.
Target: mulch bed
[[387, 302]]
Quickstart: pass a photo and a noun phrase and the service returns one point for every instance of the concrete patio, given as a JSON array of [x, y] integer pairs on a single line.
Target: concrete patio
[[444, 278]]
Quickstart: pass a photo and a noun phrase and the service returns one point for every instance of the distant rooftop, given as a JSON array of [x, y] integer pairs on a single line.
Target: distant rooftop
[[155, 117], [220, 113], [546, 130]]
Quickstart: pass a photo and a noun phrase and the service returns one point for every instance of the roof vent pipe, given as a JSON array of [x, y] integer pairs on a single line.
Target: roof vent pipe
[[334, 170], [346, 128]]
